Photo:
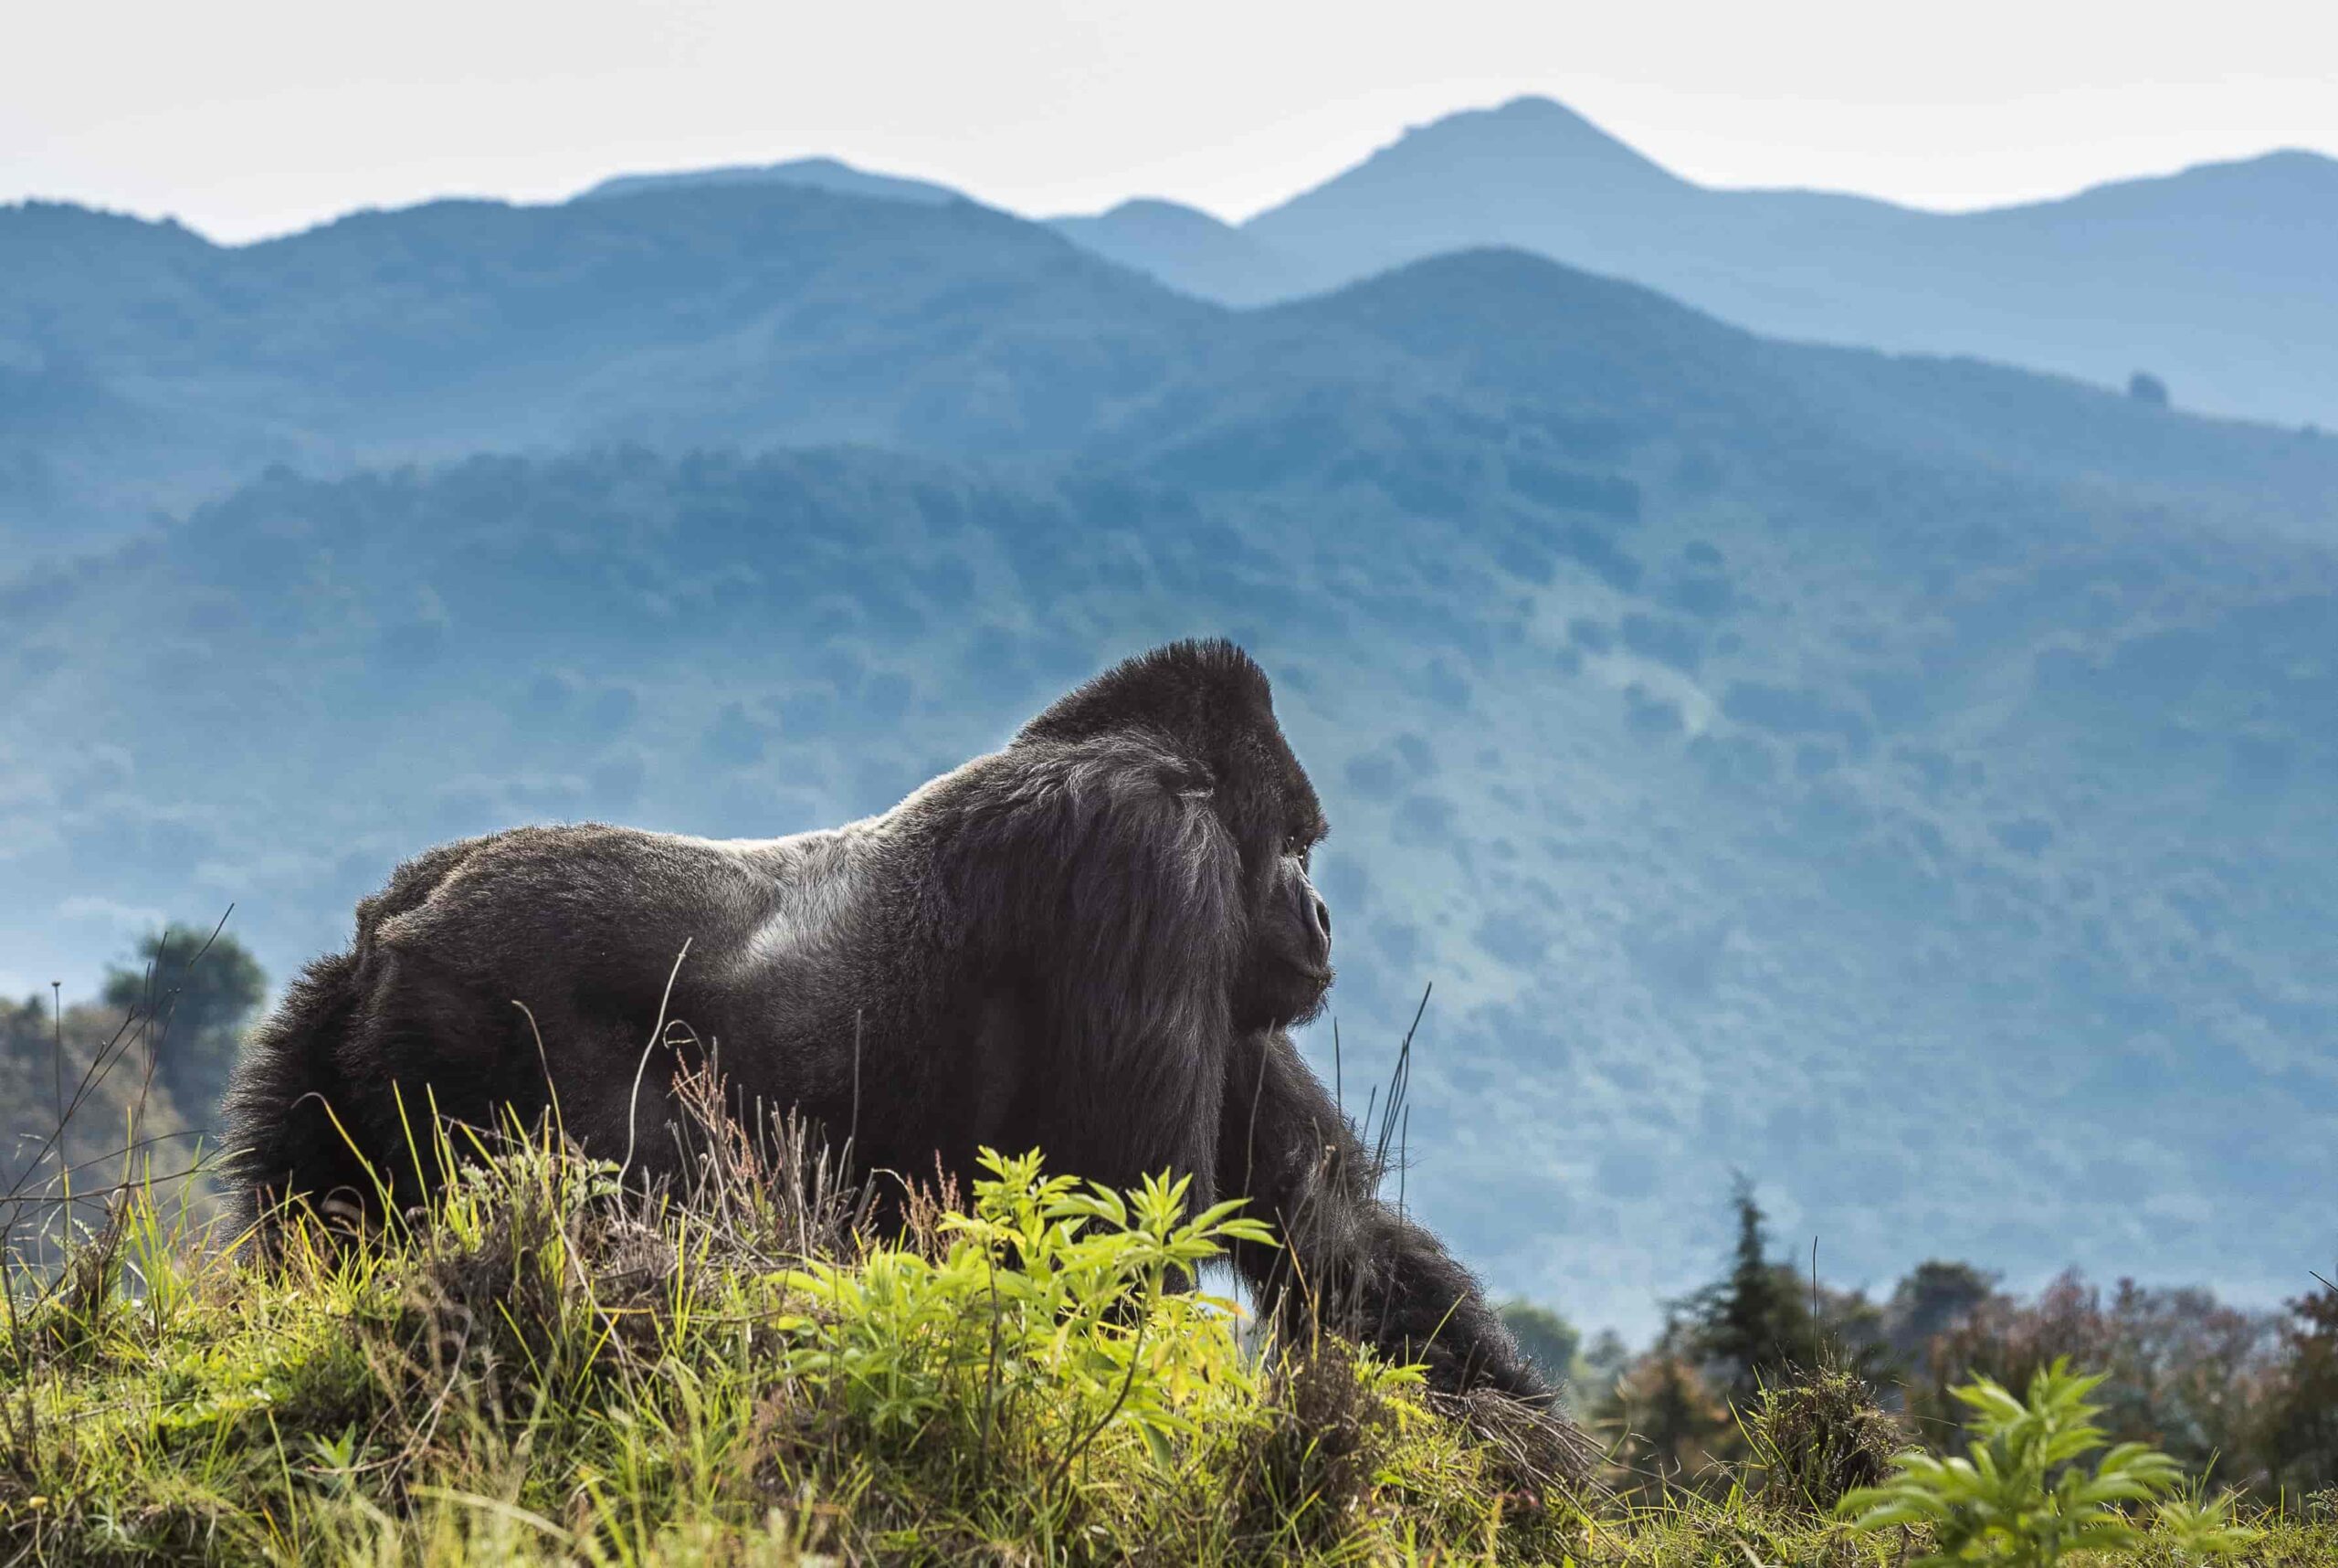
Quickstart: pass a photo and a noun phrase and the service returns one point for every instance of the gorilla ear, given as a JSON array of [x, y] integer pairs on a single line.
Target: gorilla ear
[[1198, 694], [1186, 780]]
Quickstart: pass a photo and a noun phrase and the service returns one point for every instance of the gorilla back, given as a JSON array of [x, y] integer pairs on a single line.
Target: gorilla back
[[1088, 943]]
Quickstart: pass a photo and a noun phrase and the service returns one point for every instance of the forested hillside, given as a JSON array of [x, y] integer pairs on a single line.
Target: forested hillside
[[1894, 777]]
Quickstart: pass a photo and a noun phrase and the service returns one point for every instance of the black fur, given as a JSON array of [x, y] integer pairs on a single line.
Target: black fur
[[1089, 943]]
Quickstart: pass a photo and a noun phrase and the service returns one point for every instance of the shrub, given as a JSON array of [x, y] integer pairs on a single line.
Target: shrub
[[1050, 1313], [1817, 1436], [2022, 1500]]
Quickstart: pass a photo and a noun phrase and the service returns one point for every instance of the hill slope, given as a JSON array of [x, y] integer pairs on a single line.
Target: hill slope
[[746, 313], [1188, 249]]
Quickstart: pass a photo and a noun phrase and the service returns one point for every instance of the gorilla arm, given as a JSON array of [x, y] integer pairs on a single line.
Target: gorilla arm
[[1098, 878], [1365, 1268]]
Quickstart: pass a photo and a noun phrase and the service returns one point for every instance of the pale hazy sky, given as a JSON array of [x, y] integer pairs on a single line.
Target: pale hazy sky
[[251, 117]]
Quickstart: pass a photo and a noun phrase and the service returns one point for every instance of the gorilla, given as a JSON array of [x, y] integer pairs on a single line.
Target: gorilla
[[1092, 942]]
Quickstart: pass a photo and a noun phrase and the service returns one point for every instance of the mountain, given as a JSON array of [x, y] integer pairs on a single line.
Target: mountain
[[752, 312], [1532, 173], [1187, 248], [142, 368], [1907, 780], [2217, 280], [813, 173]]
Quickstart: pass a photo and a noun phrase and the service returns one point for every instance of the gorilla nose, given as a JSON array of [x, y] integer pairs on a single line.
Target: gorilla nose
[[1322, 912]]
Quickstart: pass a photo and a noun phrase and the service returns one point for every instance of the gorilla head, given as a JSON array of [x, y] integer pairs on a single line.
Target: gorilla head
[[1211, 705], [1089, 943]]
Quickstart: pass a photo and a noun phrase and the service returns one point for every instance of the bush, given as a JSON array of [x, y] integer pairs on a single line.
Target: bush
[[1817, 1436], [2021, 1500], [1050, 1315]]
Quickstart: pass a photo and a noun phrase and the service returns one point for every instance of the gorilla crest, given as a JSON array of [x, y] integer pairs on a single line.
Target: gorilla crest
[[1090, 942]]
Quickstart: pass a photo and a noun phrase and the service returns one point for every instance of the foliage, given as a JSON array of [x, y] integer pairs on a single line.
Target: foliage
[[1554, 1343], [2300, 1435], [1815, 1438], [203, 985], [1666, 1426], [1753, 1323], [79, 1112], [1933, 1298], [554, 1370], [2182, 1371], [1050, 1306], [2022, 1500], [549, 1367], [2241, 1395]]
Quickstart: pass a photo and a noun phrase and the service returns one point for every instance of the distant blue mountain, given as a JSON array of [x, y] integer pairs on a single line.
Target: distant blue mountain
[[2222, 280], [2218, 280], [814, 173], [1188, 249], [1908, 779], [735, 312]]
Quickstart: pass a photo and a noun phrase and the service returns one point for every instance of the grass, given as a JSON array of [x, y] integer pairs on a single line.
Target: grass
[[554, 1370]]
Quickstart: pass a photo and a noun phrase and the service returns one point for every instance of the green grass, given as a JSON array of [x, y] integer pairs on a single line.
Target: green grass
[[553, 1370]]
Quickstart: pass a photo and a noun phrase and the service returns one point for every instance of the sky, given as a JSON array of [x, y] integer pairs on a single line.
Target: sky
[[249, 117]]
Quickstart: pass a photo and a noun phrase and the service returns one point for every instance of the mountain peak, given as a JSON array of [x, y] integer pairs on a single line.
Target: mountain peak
[[1189, 250], [1533, 108], [823, 173], [1530, 135], [1531, 173], [1159, 209]]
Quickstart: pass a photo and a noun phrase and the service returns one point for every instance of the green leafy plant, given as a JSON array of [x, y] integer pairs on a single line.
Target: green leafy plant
[[2022, 1500], [1051, 1297]]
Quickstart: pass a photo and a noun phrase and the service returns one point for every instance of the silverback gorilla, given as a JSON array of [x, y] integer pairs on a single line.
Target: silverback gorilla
[[1089, 943]]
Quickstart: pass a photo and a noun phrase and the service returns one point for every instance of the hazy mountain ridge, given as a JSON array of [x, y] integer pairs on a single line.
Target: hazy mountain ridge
[[1190, 251], [1812, 761], [142, 367], [2216, 278], [750, 314], [819, 174]]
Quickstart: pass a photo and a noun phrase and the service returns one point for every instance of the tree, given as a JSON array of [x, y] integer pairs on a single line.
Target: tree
[[1932, 1298], [2145, 387], [1670, 1429], [200, 991], [1548, 1339], [2299, 1437], [1751, 1325], [2187, 1374], [1605, 1360]]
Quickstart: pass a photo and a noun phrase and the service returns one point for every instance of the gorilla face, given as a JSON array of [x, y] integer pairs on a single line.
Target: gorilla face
[[1290, 965]]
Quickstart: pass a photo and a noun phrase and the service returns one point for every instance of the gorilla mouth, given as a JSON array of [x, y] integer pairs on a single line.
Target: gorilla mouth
[[1320, 974]]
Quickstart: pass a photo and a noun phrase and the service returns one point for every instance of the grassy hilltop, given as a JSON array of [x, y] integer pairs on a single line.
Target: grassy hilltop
[[553, 1371]]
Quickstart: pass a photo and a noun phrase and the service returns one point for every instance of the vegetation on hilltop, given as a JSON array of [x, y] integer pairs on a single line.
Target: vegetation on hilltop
[[2249, 1398], [547, 1368]]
